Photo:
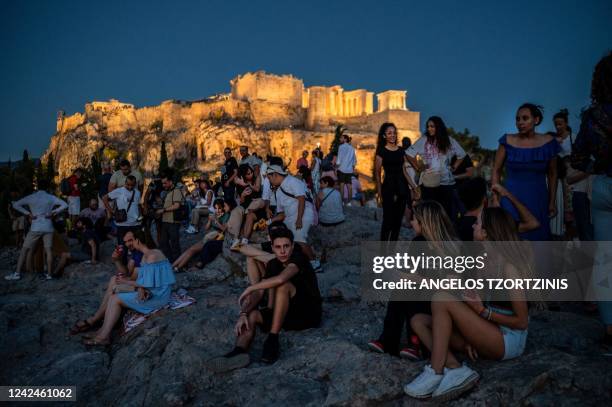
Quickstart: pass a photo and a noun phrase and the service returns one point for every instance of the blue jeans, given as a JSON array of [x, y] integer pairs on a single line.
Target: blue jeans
[[601, 205], [582, 216]]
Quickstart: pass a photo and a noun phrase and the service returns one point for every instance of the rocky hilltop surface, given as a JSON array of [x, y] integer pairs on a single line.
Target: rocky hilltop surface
[[163, 361]]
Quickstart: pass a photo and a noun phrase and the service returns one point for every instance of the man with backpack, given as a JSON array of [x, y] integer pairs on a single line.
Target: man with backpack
[[173, 213]]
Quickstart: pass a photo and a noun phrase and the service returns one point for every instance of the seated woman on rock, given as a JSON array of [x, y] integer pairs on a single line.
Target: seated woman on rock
[[329, 203], [494, 330], [430, 223], [151, 286], [295, 299], [217, 223]]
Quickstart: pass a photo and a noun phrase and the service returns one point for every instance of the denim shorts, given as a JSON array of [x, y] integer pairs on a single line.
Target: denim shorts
[[514, 339]]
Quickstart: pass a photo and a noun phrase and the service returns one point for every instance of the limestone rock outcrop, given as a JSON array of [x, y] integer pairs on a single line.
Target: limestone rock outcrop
[[269, 113]]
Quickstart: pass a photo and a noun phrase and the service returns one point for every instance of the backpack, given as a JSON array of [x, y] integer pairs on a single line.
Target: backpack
[[182, 213], [327, 163], [65, 188]]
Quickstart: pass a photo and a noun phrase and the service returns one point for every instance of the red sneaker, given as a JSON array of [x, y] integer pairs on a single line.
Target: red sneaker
[[410, 354], [376, 346]]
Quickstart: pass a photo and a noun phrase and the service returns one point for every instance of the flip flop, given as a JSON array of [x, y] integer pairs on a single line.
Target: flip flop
[[80, 326]]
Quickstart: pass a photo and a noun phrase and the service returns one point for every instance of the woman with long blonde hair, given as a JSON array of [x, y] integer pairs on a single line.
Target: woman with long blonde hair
[[431, 224]]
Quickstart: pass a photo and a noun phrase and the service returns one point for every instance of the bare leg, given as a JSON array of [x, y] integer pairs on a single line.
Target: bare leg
[[188, 254], [421, 325], [283, 294], [111, 316], [62, 263], [247, 229], [246, 337], [483, 335], [104, 304], [22, 258]]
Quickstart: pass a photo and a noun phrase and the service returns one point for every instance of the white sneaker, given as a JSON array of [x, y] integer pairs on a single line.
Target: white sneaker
[[48, 276], [455, 382], [424, 384], [191, 230], [13, 276], [349, 203]]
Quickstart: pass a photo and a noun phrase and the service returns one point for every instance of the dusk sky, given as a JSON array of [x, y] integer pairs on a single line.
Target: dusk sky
[[472, 63]]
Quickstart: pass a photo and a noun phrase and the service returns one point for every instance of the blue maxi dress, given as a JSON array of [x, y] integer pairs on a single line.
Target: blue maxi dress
[[526, 172], [156, 277]]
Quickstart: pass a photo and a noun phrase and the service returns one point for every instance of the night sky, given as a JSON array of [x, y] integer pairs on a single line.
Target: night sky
[[472, 63]]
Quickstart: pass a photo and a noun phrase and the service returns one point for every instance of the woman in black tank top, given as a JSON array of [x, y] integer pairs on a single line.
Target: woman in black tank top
[[394, 191]]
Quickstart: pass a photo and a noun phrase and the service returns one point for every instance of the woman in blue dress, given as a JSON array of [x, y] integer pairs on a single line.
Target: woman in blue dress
[[530, 163], [151, 289]]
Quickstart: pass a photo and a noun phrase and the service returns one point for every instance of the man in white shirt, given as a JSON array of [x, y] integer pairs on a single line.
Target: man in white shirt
[[119, 178], [293, 208], [42, 206], [346, 165], [126, 198]]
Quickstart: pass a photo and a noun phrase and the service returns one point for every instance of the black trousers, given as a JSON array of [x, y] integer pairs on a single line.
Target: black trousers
[[393, 206], [443, 194], [170, 244], [397, 318]]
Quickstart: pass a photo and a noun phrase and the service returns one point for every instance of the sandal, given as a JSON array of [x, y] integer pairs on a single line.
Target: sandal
[[95, 342], [81, 326]]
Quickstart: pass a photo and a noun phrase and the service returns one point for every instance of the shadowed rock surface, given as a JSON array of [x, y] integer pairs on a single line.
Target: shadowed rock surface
[[163, 362]]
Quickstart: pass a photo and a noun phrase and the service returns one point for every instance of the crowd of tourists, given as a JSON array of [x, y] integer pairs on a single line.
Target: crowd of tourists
[[544, 186]]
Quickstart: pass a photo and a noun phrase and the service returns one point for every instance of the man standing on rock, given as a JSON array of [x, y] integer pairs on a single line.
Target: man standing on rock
[[170, 227], [119, 177], [295, 304], [126, 199], [41, 207], [346, 165]]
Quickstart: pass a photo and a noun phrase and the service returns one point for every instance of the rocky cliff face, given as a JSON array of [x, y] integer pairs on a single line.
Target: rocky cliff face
[[199, 146], [163, 362]]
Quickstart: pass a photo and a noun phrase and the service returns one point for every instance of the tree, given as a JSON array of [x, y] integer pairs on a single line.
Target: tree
[[163, 158], [26, 169], [340, 130], [40, 171]]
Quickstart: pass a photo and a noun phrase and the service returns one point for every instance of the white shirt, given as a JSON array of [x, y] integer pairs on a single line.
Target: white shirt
[[266, 189], [289, 205], [435, 159], [346, 158], [41, 206], [122, 198]]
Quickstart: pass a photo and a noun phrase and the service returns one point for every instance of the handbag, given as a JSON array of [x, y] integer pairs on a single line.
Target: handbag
[[121, 215], [431, 178], [181, 214]]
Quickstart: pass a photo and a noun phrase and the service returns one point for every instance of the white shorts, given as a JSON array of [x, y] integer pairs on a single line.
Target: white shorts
[[74, 205], [300, 235]]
